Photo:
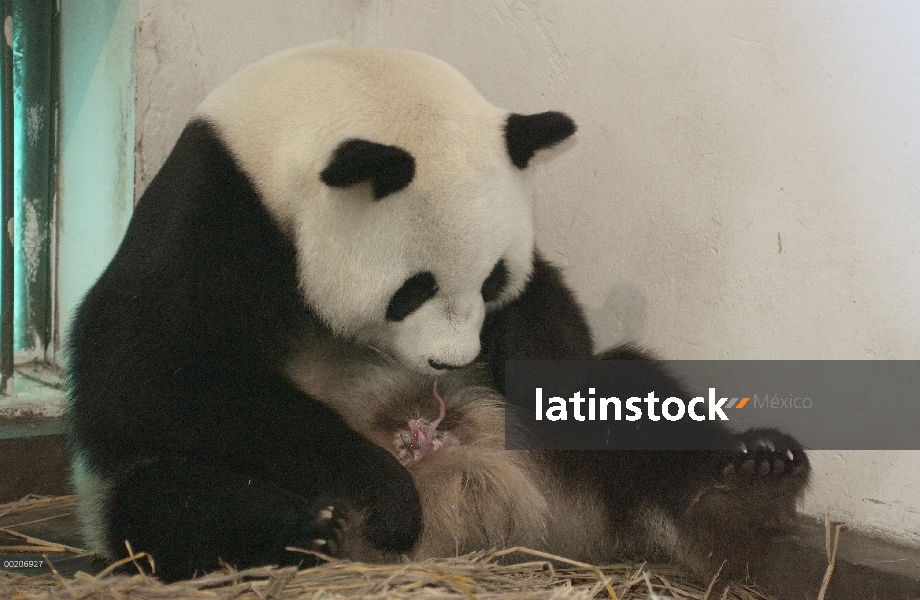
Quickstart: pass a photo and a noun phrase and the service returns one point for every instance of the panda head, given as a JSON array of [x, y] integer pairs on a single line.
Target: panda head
[[401, 187]]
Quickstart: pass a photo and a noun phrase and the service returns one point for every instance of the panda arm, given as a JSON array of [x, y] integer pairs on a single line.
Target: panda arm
[[177, 401], [544, 322]]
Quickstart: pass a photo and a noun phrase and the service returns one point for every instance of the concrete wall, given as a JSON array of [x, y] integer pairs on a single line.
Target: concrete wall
[[744, 183]]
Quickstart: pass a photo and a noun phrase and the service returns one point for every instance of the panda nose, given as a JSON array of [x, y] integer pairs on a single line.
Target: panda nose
[[441, 366]]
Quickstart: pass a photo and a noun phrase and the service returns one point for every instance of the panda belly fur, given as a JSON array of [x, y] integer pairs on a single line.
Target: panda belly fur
[[248, 372]]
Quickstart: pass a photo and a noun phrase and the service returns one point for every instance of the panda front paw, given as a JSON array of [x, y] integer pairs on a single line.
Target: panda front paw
[[339, 529], [385, 494], [323, 527], [761, 455]]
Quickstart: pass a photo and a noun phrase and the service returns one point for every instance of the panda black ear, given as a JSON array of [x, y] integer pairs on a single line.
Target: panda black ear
[[388, 168], [525, 134]]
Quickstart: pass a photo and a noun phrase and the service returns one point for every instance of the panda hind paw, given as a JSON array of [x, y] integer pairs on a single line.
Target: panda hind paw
[[762, 455]]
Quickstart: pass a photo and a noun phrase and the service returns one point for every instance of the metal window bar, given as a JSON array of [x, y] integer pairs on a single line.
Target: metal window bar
[[6, 253], [29, 175]]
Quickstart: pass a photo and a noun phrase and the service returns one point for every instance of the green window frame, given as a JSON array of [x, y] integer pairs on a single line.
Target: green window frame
[[71, 192], [30, 108]]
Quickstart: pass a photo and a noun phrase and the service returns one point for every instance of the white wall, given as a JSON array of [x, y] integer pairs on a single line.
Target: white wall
[[744, 183]]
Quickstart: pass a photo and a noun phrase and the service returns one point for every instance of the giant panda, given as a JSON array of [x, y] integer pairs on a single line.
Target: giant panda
[[301, 342]]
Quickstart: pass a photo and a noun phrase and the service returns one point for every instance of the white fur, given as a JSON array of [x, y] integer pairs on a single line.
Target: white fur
[[92, 490], [464, 210]]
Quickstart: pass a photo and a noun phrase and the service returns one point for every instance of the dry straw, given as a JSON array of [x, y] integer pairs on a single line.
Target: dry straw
[[483, 575]]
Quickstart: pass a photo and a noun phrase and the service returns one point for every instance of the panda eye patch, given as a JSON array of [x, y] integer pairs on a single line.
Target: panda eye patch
[[413, 293], [495, 283]]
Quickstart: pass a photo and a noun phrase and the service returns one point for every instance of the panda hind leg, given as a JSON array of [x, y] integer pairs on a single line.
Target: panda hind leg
[[752, 497], [701, 508]]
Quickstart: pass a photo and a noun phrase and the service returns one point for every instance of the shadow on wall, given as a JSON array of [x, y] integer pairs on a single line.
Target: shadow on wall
[[621, 318]]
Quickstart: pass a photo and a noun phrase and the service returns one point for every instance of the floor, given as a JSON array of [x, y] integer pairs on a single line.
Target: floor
[[792, 569]]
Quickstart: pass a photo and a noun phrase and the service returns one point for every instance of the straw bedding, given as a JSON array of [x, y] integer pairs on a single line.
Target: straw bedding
[[483, 575]]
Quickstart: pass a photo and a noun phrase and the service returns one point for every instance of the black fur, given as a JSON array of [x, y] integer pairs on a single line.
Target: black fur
[[545, 321], [388, 168], [495, 283], [414, 292], [176, 387], [525, 134]]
